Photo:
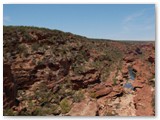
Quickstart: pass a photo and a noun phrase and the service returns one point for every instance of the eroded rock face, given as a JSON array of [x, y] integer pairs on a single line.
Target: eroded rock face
[[143, 101], [9, 87], [83, 81], [101, 90], [24, 73]]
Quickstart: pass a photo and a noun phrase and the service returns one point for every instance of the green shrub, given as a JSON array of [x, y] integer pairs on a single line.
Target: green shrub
[[78, 96], [23, 50], [114, 81], [93, 95], [96, 64], [25, 53], [40, 62], [78, 69], [27, 36], [9, 112], [65, 106], [35, 46]]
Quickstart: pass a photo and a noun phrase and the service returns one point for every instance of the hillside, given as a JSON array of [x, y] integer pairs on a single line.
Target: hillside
[[50, 72]]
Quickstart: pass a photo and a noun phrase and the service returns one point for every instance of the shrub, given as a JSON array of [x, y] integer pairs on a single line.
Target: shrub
[[93, 94], [53, 39], [40, 63], [78, 96], [23, 50], [65, 106], [9, 112], [114, 81], [35, 46], [96, 64], [25, 53], [78, 69], [27, 36]]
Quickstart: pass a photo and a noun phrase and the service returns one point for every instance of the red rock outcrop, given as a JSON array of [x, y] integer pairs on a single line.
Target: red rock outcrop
[[143, 101], [101, 90], [87, 78]]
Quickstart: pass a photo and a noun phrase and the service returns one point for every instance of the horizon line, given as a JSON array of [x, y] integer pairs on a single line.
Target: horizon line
[[98, 38]]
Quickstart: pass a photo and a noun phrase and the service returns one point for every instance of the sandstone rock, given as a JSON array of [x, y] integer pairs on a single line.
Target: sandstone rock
[[117, 91], [103, 92], [98, 87], [137, 84], [83, 81], [84, 108], [102, 105], [143, 102], [109, 83], [124, 71], [129, 59], [91, 78]]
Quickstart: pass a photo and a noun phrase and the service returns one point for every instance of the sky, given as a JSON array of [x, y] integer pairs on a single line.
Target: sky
[[106, 21]]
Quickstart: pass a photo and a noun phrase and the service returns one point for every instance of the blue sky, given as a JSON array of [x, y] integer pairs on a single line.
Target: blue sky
[[108, 21]]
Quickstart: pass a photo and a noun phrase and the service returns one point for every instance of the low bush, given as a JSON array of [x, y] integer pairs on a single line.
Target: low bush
[[65, 106]]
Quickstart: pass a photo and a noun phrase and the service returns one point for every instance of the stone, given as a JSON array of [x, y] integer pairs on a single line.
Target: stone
[[82, 81], [103, 92], [143, 101], [84, 108], [129, 59]]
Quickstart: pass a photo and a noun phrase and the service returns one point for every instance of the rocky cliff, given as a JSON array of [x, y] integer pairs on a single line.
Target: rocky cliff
[[49, 72]]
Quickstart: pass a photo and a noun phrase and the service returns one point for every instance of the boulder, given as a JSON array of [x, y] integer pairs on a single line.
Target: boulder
[[117, 91], [84, 108], [129, 59], [103, 92]]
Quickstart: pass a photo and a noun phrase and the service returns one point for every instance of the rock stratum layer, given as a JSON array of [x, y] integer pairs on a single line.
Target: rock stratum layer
[[49, 72]]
